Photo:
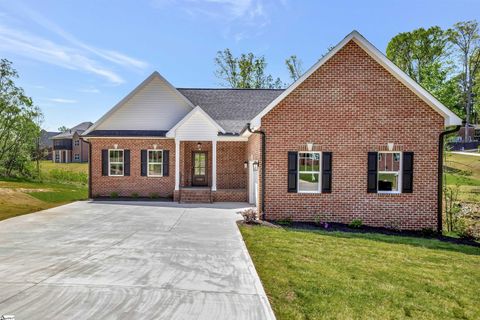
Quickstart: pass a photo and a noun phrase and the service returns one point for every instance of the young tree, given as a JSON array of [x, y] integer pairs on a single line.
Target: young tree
[[19, 129], [466, 38], [63, 129], [423, 54], [294, 66], [245, 72]]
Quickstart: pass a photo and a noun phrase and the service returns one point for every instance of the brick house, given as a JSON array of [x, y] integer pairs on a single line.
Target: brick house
[[338, 144], [69, 147]]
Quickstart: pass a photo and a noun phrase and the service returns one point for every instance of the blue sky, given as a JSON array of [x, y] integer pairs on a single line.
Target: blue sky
[[76, 59]]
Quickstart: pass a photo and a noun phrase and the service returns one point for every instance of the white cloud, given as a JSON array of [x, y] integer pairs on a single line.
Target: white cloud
[[110, 55], [71, 54], [89, 90], [243, 18], [62, 100], [40, 49]]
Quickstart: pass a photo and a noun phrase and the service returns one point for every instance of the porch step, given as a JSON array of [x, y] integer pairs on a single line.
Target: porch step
[[195, 195]]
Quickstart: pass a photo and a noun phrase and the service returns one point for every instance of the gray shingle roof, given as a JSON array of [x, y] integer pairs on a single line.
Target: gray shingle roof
[[69, 133], [231, 108]]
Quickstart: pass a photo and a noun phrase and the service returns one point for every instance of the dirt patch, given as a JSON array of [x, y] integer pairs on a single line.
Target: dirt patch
[[17, 197], [25, 190]]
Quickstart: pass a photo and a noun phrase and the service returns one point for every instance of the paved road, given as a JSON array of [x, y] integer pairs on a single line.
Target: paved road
[[128, 260]]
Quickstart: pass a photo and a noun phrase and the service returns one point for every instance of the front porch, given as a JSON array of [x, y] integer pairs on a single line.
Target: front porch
[[210, 171]]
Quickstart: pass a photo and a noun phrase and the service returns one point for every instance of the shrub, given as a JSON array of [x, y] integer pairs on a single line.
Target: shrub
[[285, 221], [249, 215], [134, 195], [468, 231], [319, 222], [114, 195], [154, 195], [427, 232], [356, 223]]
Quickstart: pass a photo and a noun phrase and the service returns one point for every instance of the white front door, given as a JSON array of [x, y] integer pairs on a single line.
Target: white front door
[[253, 184]]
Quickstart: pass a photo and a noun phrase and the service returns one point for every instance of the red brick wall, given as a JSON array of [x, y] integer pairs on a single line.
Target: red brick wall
[[351, 106], [135, 183], [231, 172]]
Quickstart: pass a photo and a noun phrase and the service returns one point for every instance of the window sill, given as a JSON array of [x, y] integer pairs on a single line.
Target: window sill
[[388, 193], [309, 192]]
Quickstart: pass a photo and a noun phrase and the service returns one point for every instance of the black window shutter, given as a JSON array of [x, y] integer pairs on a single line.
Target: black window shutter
[[407, 172], [166, 161], [143, 157], [104, 162], [292, 171], [327, 172], [372, 172], [126, 162]]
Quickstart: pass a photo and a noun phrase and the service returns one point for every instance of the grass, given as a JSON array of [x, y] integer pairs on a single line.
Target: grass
[[336, 275], [59, 184], [464, 172]]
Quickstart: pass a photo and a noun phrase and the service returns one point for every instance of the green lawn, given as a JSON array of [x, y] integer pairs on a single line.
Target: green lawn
[[336, 275], [59, 184], [464, 172]]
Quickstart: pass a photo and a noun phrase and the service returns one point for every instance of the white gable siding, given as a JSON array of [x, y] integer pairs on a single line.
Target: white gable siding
[[197, 127], [155, 107]]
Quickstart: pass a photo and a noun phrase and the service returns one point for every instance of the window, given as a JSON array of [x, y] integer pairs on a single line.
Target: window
[[115, 162], [77, 156], [309, 172], [389, 169], [77, 142], [57, 156], [155, 163]]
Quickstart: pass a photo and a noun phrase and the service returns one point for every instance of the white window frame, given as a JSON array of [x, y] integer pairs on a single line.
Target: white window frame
[[148, 163], [76, 156], [319, 172], [400, 172], [123, 163], [77, 143], [57, 156]]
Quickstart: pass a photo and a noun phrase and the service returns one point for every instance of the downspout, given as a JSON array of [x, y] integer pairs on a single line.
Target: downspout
[[263, 156], [441, 139]]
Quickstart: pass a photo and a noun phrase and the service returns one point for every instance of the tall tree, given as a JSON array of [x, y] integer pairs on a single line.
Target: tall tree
[[466, 39], [19, 124], [63, 129], [294, 66], [245, 72], [423, 54]]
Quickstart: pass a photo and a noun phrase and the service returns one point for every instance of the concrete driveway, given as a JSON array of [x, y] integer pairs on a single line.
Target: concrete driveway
[[129, 260]]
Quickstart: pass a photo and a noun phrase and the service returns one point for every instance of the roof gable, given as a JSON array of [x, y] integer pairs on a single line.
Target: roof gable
[[447, 114], [153, 105], [197, 123]]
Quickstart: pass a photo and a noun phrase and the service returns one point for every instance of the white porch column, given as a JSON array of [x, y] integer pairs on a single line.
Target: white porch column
[[214, 165], [177, 164]]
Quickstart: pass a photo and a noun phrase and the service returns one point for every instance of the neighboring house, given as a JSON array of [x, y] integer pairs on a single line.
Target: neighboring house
[[473, 133], [69, 147], [353, 138], [45, 144]]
